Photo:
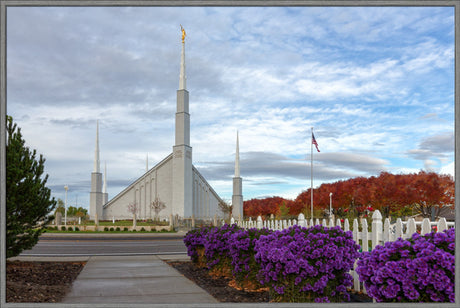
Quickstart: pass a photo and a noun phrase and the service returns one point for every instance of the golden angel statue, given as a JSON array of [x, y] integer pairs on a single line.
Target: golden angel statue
[[183, 33]]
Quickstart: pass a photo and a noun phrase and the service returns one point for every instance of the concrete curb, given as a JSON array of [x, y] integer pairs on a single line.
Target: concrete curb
[[108, 235]]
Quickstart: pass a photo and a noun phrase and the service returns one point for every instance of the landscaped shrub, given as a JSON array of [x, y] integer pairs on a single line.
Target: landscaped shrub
[[117, 229], [421, 269], [125, 229], [306, 265], [244, 266], [77, 229], [112, 229], [106, 229], [63, 228], [217, 249], [142, 229], [194, 241]]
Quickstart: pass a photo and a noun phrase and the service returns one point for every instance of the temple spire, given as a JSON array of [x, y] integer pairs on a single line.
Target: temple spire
[[96, 152], [182, 77], [104, 185], [237, 157]]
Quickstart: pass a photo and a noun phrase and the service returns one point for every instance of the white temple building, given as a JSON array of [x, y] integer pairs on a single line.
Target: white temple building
[[173, 181]]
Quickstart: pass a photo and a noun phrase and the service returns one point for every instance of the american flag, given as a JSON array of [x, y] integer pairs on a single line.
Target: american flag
[[313, 141]]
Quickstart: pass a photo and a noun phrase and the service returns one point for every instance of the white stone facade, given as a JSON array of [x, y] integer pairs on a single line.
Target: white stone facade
[[157, 183]]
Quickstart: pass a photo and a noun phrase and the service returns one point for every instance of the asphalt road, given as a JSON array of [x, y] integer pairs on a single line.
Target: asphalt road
[[62, 245]]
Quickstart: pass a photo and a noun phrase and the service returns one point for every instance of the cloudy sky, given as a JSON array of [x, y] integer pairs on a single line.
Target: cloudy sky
[[377, 85]]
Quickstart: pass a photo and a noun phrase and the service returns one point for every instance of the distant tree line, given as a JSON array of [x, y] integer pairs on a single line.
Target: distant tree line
[[424, 193]]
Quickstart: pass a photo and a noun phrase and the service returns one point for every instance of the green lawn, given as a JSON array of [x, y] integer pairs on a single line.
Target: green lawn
[[71, 231], [127, 223]]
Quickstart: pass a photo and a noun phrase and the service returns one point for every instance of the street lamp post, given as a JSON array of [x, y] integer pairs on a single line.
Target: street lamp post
[[330, 205], [65, 205]]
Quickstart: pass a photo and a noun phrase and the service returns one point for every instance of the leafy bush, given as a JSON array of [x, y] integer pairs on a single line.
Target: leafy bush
[[305, 265], [217, 249], [194, 240], [142, 229], [112, 229], [63, 228], [77, 229], [106, 229], [125, 229], [117, 229], [244, 265], [421, 269]]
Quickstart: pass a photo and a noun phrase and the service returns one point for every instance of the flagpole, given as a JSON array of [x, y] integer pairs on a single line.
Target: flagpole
[[311, 176]]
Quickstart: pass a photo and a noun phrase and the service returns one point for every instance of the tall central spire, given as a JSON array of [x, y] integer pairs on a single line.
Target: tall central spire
[[96, 152], [182, 77], [237, 157]]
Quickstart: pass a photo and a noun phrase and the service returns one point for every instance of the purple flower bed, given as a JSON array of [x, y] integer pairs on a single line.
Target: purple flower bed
[[305, 265], [244, 265], [421, 269], [194, 241], [217, 246]]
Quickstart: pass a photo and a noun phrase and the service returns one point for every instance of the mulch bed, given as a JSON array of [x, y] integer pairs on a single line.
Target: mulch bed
[[221, 288], [218, 287], [39, 282], [49, 282]]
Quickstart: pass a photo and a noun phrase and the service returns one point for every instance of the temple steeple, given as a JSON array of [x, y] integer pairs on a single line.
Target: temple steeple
[[237, 157], [96, 200], [96, 151], [105, 195], [104, 185], [237, 197], [182, 76], [182, 196]]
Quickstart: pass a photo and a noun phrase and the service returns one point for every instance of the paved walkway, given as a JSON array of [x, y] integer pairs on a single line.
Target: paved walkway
[[134, 279]]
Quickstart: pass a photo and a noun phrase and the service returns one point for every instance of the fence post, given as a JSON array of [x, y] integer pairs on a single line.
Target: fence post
[[411, 228], [317, 221], [442, 224], [426, 226], [399, 229], [346, 225], [356, 231], [232, 221], [338, 223], [365, 236], [311, 222], [301, 220], [376, 228], [386, 231], [331, 222], [259, 222]]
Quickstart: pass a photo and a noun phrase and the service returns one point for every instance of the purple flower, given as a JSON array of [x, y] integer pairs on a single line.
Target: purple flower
[[421, 269]]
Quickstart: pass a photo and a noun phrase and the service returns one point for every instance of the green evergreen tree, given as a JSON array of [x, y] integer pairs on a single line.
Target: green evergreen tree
[[28, 201]]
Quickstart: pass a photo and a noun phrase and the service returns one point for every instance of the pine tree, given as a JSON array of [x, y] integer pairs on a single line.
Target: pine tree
[[28, 201]]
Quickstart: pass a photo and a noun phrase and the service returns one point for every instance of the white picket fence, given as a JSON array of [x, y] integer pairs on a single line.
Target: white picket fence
[[379, 234]]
